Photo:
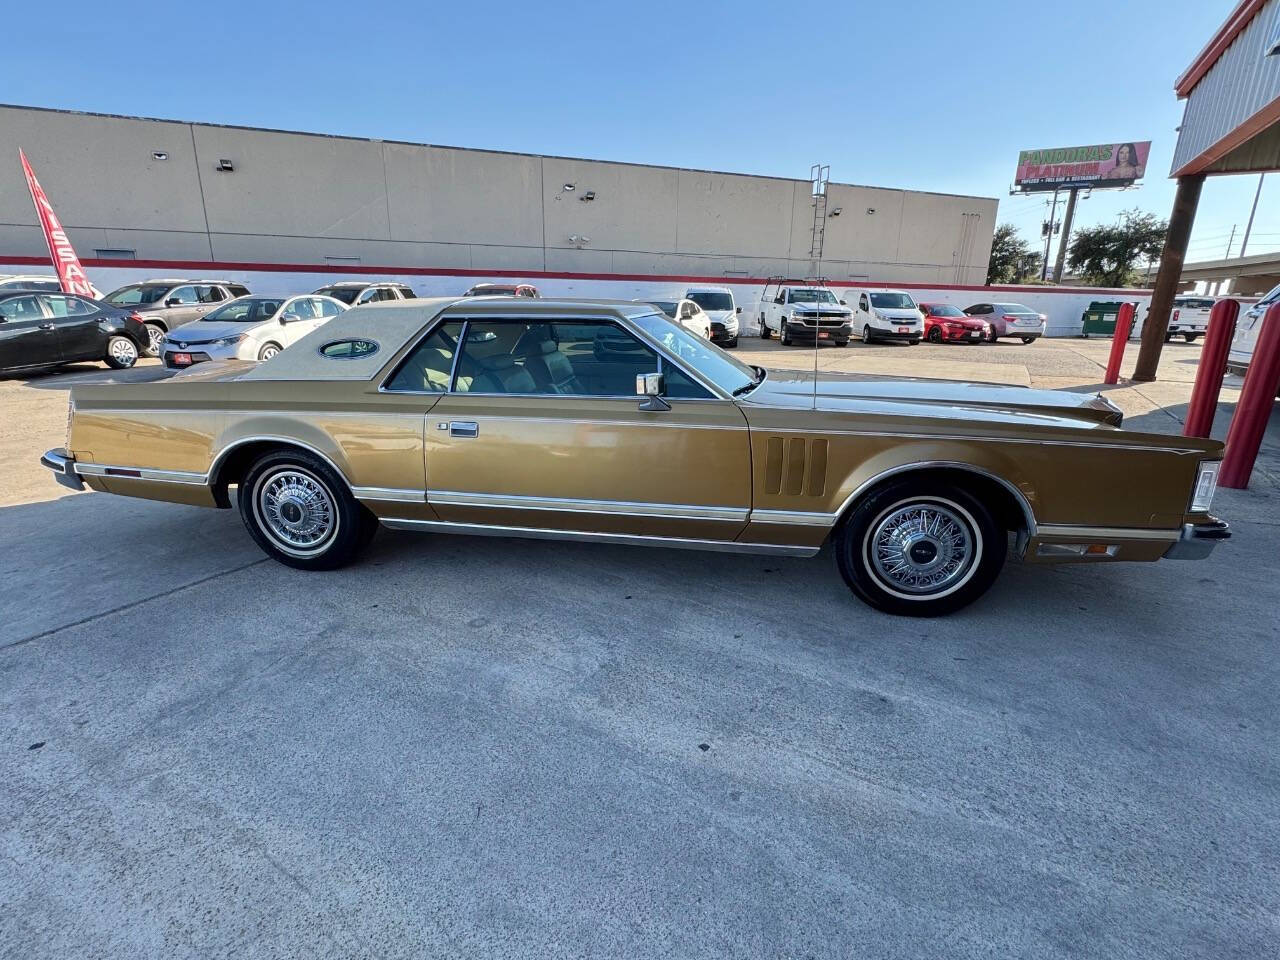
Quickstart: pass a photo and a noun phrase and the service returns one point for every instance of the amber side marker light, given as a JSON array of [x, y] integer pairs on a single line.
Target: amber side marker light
[[1076, 550]]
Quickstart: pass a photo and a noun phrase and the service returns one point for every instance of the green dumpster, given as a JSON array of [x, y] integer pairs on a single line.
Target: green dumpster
[[1100, 318]]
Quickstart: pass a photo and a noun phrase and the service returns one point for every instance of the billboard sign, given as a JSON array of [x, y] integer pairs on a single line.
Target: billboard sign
[[1097, 165]]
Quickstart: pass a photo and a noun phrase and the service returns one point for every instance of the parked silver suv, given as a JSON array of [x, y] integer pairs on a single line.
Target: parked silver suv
[[166, 303], [355, 292]]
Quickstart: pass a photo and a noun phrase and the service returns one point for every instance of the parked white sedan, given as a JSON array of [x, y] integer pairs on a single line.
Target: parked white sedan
[[248, 328]]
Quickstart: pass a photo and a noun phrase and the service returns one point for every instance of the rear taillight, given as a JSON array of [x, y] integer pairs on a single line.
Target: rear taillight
[[136, 316], [1175, 315]]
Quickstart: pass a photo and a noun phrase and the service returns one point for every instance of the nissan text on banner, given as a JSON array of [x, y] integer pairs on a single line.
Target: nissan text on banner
[[1099, 165], [70, 273]]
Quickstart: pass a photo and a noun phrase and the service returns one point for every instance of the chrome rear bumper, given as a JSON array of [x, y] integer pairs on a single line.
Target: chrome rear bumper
[[63, 466], [1197, 540]]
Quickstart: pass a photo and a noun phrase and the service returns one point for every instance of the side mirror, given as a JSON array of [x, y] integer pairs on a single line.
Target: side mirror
[[651, 386], [173, 302], [283, 320], [843, 304], [737, 310], [780, 300]]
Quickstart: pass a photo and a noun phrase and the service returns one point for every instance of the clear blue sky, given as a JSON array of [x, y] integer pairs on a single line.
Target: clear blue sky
[[924, 94]]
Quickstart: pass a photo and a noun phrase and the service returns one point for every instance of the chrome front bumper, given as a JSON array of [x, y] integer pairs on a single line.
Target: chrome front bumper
[[63, 466], [1197, 540]]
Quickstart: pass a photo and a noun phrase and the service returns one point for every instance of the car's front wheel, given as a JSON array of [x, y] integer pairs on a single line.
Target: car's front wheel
[[920, 548], [1026, 340], [935, 335], [122, 353], [301, 513], [268, 351], [155, 338]]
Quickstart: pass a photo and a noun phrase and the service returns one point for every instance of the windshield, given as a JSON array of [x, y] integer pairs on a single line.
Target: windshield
[[346, 294], [712, 362], [1014, 308], [712, 301], [245, 310], [892, 301], [813, 296], [943, 310], [137, 293], [666, 306]]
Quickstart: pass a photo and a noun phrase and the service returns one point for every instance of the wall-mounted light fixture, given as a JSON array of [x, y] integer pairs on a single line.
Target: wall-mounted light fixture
[[569, 188], [225, 166], [837, 211], [579, 241], [588, 196], [159, 155], [871, 210]]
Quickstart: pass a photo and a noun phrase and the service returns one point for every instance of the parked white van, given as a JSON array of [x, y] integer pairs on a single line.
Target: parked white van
[[885, 315], [717, 303]]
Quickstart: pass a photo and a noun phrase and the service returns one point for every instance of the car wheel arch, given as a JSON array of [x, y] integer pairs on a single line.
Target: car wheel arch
[[236, 458], [1008, 501]]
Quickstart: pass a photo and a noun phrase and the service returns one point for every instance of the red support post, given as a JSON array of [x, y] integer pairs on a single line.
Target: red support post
[[1124, 323], [1213, 364], [1254, 409]]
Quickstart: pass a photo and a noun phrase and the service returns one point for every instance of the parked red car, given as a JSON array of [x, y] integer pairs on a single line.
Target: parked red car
[[942, 322]]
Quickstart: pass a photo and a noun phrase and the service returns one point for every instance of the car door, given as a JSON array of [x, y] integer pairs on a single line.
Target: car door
[[542, 430], [80, 335], [27, 335], [298, 318], [182, 305], [208, 297]]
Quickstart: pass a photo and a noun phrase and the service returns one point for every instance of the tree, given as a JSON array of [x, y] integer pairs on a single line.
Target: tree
[[1105, 255], [1012, 259]]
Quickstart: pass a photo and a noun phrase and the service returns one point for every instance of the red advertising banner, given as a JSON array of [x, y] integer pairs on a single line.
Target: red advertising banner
[[70, 273], [1097, 165]]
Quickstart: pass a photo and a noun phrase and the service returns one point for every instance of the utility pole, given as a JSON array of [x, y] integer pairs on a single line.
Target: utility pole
[[1048, 236], [1066, 235], [1249, 229], [1230, 240]]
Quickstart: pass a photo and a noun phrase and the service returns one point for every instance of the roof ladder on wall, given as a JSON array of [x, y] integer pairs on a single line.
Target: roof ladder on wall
[[818, 175]]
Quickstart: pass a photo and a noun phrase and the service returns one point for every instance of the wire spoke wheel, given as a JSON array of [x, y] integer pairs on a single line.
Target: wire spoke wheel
[[923, 548], [296, 510]]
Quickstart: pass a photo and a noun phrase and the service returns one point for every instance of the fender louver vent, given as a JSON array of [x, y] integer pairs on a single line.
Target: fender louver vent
[[795, 466]]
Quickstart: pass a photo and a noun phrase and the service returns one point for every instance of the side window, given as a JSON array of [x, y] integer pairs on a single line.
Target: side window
[[64, 306], [208, 294], [301, 309], [327, 308], [184, 296], [50, 285], [406, 292], [237, 290], [680, 386], [21, 308], [862, 303], [428, 366], [560, 358]]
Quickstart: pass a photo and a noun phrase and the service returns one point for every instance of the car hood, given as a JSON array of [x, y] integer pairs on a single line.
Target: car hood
[[202, 331], [944, 399], [824, 307], [896, 313], [719, 316], [972, 322]]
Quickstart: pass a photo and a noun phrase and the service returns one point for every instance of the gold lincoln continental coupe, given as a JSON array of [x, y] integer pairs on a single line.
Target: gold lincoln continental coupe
[[605, 421]]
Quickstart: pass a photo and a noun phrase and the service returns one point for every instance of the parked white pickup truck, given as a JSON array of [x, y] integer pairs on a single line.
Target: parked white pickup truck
[[1190, 318], [798, 311]]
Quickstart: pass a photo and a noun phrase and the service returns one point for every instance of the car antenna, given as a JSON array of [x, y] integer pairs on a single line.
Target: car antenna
[[819, 174]]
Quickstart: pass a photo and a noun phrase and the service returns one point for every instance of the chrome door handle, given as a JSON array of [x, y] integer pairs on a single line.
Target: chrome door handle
[[464, 428]]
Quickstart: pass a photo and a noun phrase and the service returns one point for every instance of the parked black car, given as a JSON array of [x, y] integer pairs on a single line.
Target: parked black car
[[40, 330]]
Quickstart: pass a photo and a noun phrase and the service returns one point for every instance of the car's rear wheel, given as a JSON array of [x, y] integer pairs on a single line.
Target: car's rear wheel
[[155, 337], [268, 351], [935, 335], [1026, 340], [301, 513], [731, 344], [1168, 338], [122, 353], [920, 548], [764, 328], [1190, 337], [866, 333]]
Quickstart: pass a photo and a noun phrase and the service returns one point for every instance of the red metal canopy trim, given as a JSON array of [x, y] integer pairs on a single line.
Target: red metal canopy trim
[[1244, 12]]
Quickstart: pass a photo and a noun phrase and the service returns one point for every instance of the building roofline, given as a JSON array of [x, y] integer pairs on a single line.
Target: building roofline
[[1231, 28], [445, 146]]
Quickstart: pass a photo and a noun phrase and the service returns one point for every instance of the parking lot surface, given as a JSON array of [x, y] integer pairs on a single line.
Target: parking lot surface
[[479, 747]]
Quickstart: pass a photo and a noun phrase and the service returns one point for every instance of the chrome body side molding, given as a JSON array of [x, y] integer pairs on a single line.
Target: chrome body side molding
[[537, 533], [674, 511]]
